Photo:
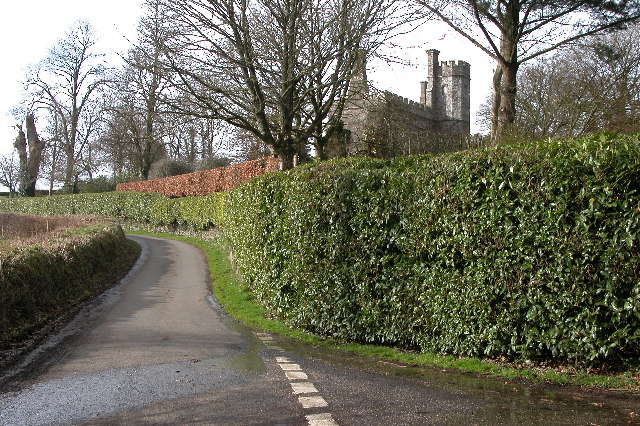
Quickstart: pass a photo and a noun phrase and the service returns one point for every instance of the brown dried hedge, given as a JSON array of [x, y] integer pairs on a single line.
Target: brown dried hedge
[[204, 182]]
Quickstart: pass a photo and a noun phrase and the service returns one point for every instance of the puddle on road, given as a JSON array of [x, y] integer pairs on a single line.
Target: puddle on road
[[248, 359], [249, 362], [499, 402]]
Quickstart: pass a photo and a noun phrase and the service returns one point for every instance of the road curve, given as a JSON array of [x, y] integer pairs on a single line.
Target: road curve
[[155, 337], [157, 349]]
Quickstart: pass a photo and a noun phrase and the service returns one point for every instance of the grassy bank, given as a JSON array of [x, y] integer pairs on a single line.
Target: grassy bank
[[52, 267], [238, 300]]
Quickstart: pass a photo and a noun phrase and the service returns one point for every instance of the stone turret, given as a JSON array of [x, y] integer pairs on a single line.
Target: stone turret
[[431, 90], [456, 79], [359, 86], [447, 92]]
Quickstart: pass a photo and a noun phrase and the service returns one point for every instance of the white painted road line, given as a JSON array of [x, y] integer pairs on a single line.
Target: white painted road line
[[323, 419], [296, 375], [269, 341], [264, 337], [312, 401], [303, 387], [290, 367]]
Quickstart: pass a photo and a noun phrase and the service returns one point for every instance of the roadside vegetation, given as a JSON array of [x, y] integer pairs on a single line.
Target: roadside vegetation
[[49, 265], [521, 255], [234, 294]]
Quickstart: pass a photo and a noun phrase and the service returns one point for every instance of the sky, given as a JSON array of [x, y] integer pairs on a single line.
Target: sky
[[28, 29]]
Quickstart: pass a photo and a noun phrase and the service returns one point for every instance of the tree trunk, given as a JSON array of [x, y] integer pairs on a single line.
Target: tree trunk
[[36, 146], [147, 161], [495, 104], [69, 167], [191, 153], [54, 161], [287, 160], [21, 147], [29, 159], [507, 100], [505, 92], [321, 149]]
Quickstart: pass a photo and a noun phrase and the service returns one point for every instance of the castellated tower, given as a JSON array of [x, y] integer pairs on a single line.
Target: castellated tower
[[447, 93], [383, 124]]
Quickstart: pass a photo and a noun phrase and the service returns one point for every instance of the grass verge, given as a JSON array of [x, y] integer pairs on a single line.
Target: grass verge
[[236, 298]]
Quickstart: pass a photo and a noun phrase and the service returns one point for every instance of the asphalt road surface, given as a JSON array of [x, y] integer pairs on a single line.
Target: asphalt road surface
[[157, 349]]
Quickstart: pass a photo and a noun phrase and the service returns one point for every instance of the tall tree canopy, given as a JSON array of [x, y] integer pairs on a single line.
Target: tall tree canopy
[[592, 86], [515, 31], [278, 69], [135, 125], [67, 85]]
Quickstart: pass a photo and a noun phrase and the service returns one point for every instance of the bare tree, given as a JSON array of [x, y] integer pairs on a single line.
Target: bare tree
[[588, 87], [515, 31], [67, 83], [141, 122], [145, 82], [134, 133], [247, 147], [9, 173], [278, 69]]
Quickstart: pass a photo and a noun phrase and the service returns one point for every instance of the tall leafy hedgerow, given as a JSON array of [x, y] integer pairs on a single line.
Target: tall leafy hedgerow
[[525, 252]]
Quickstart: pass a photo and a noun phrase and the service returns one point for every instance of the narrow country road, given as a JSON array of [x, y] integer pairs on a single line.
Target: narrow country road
[[157, 349]]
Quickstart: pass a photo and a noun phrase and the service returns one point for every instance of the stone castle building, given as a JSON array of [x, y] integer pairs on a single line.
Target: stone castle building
[[383, 124]]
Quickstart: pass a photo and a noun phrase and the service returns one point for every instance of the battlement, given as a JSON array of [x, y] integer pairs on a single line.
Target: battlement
[[455, 69], [444, 107], [408, 104], [455, 63]]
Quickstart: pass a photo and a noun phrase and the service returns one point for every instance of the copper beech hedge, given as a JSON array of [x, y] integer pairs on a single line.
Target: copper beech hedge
[[204, 182]]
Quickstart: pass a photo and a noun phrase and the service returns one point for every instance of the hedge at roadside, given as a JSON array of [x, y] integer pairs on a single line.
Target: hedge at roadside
[[522, 252], [42, 282], [134, 206], [194, 212], [206, 181]]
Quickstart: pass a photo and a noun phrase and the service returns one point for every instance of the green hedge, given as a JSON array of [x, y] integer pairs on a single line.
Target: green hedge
[[523, 252], [41, 282], [194, 212], [126, 205]]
